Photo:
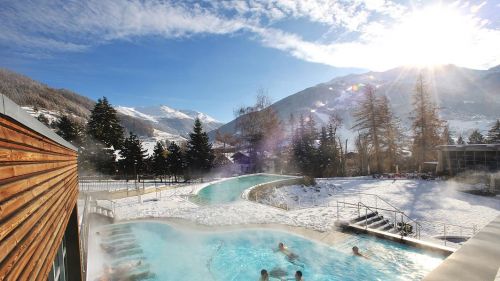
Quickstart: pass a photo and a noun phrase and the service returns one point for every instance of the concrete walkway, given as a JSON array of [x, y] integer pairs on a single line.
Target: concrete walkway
[[478, 259]]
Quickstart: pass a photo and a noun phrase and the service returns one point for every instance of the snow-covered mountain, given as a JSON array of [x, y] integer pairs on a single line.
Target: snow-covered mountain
[[170, 120], [168, 123], [468, 98]]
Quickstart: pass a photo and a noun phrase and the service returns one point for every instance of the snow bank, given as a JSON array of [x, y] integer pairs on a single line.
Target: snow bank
[[316, 207]]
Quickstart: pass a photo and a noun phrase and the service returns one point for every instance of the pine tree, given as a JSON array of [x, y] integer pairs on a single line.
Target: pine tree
[[324, 157], [133, 156], [446, 137], [43, 119], [69, 129], [159, 160], [460, 140], [426, 124], [493, 135], [371, 121], [304, 147], [94, 157], [392, 137], [334, 167], [175, 162], [476, 137], [104, 125], [260, 130], [199, 154], [361, 143]]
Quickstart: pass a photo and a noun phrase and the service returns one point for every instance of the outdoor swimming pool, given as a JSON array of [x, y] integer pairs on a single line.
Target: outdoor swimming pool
[[158, 251], [231, 189]]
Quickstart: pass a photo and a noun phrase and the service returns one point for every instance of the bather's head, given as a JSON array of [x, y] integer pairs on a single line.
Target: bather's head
[[264, 275], [298, 275], [281, 246], [355, 250]]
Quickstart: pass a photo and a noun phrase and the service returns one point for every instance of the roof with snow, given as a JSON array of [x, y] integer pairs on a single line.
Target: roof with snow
[[470, 147], [15, 112]]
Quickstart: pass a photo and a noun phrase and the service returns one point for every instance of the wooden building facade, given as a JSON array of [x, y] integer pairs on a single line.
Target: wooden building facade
[[39, 237]]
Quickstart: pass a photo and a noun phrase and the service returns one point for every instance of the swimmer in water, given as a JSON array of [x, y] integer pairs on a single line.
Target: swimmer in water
[[289, 254], [355, 251], [264, 276], [298, 276]]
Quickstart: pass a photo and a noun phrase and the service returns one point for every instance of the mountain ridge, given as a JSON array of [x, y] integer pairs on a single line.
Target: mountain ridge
[[38, 98], [450, 86]]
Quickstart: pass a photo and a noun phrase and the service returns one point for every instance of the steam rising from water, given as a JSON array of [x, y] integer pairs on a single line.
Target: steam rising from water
[[160, 252]]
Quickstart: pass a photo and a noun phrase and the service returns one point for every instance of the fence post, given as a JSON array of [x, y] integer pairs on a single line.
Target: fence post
[[337, 210], [366, 218], [444, 226], [395, 220]]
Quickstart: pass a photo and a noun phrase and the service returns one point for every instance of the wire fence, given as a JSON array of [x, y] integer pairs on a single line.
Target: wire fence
[[108, 184]]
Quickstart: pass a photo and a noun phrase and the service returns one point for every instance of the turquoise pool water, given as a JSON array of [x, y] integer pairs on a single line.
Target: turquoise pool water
[[231, 189], [167, 253]]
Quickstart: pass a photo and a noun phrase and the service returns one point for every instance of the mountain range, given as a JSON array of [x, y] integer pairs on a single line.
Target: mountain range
[[170, 120], [467, 98], [151, 123]]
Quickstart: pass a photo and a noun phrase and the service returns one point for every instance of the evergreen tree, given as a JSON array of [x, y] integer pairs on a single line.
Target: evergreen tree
[[175, 162], [133, 156], [426, 124], [361, 143], [159, 160], [392, 137], [371, 121], [260, 130], [94, 157], [104, 125], [324, 157], [334, 167], [460, 140], [69, 129], [199, 154], [43, 119], [446, 137], [304, 149], [493, 135], [476, 137]]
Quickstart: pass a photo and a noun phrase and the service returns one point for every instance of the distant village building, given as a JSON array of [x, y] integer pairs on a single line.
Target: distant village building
[[242, 162], [454, 159]]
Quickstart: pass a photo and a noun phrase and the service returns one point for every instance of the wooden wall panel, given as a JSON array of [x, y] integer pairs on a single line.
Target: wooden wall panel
[[38, 193]]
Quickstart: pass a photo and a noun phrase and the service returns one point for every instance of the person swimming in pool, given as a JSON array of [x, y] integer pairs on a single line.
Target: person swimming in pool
[[355, 251], [289, 254], [298, 276], [264, 276]]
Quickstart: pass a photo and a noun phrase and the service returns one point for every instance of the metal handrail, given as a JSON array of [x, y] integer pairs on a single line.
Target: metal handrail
[[417, 224]]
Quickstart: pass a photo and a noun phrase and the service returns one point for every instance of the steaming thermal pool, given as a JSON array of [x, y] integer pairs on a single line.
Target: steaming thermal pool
[[231, 189], [158, 251]]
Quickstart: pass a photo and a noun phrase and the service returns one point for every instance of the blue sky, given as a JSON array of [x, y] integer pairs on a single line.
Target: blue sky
[[213, 56]]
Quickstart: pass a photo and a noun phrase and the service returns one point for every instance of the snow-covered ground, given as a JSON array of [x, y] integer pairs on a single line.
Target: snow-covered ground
[[421, 200], [428, 202]]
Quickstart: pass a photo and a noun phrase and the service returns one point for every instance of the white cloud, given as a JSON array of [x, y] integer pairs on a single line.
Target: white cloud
[[379, 33]]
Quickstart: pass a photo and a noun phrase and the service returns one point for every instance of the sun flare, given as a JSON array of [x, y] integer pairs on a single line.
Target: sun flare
[[434, 35]]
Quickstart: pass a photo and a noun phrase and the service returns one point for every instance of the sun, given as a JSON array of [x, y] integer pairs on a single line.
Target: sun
[[433, 35]]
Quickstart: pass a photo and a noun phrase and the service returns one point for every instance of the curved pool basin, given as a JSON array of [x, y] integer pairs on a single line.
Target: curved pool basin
[[158, 251], [230, 190]]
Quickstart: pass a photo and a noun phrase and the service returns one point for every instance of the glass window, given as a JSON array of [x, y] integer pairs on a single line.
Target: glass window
[[58, 271]]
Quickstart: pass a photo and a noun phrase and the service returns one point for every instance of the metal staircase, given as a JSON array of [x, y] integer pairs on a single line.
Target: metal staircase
[[390, 219]]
